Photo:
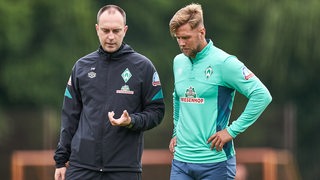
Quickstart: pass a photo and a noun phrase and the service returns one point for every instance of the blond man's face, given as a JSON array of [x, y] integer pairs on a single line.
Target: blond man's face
[[189, 40]]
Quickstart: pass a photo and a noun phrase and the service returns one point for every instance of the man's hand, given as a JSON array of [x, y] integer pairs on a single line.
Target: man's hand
[[219, 139], [173, 143], [60, 173], [124, 120]]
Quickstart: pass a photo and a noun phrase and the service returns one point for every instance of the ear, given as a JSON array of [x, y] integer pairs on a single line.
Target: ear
[[125, 29], [97, 27], [202, 31]]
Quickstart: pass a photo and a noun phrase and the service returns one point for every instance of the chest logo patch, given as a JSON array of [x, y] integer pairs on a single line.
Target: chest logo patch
[[208, 72], [92, 74], [191, 97], [126, 75], [124, 90]]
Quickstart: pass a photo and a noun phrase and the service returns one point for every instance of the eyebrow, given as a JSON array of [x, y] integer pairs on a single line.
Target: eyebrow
[[106, 28]]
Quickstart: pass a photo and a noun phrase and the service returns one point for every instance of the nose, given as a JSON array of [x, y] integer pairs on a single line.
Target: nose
[[110, 35], [181, 42]]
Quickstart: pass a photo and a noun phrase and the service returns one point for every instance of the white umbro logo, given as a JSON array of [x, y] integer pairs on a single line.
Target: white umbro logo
[[91, 74]]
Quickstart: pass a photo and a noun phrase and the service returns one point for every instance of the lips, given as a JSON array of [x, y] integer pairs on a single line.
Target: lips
[[184, 49], [110, 44]]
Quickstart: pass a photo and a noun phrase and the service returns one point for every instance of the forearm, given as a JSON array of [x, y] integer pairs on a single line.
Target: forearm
[[258, 101], [149, 118], [69, 124]]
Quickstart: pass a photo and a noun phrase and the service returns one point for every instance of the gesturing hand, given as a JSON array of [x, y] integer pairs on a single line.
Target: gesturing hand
[[124, 120], [218, 139]]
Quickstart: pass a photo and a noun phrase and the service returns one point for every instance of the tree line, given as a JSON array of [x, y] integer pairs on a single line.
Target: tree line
[[278, 40]]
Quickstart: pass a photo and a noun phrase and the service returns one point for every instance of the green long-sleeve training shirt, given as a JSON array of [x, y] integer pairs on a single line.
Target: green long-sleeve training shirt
[[203, 97]]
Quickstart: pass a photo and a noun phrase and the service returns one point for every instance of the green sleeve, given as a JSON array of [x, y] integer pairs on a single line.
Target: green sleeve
[[238, 77], [176, 107]]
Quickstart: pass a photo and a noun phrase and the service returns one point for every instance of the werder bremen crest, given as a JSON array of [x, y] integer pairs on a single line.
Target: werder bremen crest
[[208, 72], [125, 89], [126, 75]]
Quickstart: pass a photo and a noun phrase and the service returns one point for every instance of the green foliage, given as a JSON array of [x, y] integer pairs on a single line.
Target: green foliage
[[42, 41], [17, 31], [279, 40], [286, 42]]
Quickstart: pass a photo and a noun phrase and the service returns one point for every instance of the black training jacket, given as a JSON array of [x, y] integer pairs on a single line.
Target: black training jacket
[[102, 82]]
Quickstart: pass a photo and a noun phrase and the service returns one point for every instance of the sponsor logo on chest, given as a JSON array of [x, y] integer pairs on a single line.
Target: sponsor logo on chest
[[191, 97]]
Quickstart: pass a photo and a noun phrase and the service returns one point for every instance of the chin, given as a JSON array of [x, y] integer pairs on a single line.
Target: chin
[[110, 50]]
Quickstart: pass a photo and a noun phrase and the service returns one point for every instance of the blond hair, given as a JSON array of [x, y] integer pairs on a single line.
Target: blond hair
[[191, 14]]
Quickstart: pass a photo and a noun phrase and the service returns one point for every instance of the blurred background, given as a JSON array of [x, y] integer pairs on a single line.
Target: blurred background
[[278, 40]]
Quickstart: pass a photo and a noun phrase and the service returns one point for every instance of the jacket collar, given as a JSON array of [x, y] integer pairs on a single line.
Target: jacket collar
[[124, 49], [203, 53]]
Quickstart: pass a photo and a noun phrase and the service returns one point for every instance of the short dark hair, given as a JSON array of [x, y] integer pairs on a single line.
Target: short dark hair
[[114, 7]]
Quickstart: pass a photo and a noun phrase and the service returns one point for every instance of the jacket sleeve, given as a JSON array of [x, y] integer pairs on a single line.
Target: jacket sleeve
[[240, 78], [70, 115], [153, 107]]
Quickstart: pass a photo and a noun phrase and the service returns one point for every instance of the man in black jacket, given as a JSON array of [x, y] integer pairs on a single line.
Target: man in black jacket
[[113, 95]]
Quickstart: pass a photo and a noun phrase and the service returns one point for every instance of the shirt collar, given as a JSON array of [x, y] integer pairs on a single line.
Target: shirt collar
[[203, 52]]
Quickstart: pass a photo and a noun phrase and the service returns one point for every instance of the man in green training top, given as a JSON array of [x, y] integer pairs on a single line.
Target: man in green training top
[[205, 81]]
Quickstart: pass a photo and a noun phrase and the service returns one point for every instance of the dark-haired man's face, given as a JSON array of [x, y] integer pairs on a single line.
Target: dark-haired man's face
[[111, 30]]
